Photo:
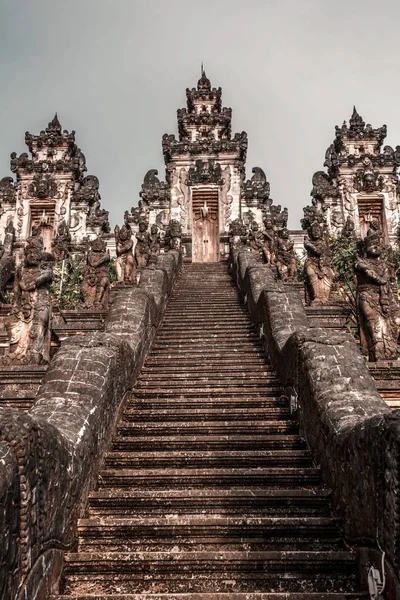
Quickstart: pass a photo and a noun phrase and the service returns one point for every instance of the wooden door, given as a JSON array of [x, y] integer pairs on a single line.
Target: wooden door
[[205, 225]]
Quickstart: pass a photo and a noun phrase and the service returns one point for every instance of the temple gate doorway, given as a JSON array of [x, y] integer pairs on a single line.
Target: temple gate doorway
[[205, 225]]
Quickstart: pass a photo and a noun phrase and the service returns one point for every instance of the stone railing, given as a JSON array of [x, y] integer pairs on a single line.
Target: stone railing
[[352, 433], [50, 455]]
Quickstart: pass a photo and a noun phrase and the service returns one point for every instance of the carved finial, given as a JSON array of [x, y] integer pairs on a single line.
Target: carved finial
[[55, 124], [203, 83], [356, 121]]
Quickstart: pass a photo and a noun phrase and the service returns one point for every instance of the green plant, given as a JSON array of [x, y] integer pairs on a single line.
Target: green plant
[[343, 255], [66, 287]]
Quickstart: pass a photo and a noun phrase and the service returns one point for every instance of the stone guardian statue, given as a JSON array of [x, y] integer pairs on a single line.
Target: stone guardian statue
[[318, 265], [96, 276], [377, 302], [125, 264], [28, 325], [285, 256]]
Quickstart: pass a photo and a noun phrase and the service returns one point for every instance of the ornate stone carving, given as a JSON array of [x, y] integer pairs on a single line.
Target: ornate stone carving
[[257, 188], [154, 244], [312, 214], [173, 236], [7, 260], [205, 172], [7, 190], [378, 306], [279, 216], [125, 264], [367, 179], [43, 186], [153, 190], [323, 187], [28, 326], [318, 265], [255, 239], [237, 234], [134, 216], [62, 241], [349, 229], [204, 127], [142, 249], [358, 130], [269, 246], [96, 277], [285, 256], [50, 182]]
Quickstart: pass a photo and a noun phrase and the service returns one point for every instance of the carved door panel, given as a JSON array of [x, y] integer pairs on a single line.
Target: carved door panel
[[370, 208], [205, 225]]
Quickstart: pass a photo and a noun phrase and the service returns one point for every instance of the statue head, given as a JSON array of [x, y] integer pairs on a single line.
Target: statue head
[[268, 222], [33, 251], [142, 226], [175, 227], [315, 231], [99, 245], [153, 229], [124, 233], [284, 233], [254, 226], [373, 245]]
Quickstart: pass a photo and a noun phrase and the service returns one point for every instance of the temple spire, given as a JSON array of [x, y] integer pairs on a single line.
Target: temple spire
[[55, 124]]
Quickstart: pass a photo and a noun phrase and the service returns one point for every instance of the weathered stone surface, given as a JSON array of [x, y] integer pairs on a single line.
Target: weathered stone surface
[[352, 432], [58, 445], [9, 521]]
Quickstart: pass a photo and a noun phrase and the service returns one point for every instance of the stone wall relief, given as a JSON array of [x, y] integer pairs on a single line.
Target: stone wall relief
[[183, 197], [226, 197]]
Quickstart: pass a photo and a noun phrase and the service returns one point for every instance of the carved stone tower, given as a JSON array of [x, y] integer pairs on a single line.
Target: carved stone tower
[[362, 180], [205, 188], [51, 189]]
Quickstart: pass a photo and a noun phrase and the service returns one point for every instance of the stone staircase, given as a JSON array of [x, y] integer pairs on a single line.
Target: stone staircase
[[207, 491]]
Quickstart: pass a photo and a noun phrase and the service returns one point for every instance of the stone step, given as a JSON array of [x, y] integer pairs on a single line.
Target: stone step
[[238, 333], [195, 352], [212, 391], [207, 374], [208, 428], [237, 317], [205, 442], [236, 362], [202, 532], [159, 371], [206, 338], [192, 459], [220, 596], [230, 403], [205, 385], [207, 347], [218, 477], [139, 415], [206, 571], [242, 501]]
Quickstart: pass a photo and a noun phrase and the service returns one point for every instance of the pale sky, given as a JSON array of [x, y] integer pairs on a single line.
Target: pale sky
[[117, 70]]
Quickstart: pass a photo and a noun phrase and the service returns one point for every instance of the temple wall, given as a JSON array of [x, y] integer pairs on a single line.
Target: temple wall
[[50, 455], [352, 433]]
